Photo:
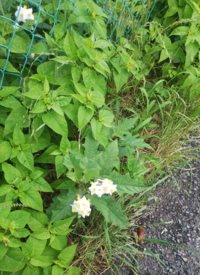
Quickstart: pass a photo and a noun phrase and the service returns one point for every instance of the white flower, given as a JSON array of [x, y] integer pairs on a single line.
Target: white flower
[[101, 187], [82, 207], [24, 14], [32, 55]]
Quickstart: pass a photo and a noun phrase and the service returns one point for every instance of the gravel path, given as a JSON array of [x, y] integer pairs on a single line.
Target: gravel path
[[179, 202], [183, 209]]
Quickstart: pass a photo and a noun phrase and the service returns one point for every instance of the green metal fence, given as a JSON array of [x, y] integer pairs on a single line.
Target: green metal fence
[[17, 40]]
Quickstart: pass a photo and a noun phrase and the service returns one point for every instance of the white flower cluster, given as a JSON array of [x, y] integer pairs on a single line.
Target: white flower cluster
[[101, 187], [24, 14], [81, 206]]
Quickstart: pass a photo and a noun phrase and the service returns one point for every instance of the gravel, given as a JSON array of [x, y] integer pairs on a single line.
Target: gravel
[[179, 202]]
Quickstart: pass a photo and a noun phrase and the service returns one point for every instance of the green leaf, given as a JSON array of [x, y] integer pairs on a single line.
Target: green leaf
[[100, 27], [125, 125], [105, 115], [59, 30], [67, 254], [91, 147], [115, 214], [38, 245], [80, 89], [57, 270], [120, 78], [61, 227], [42, 185], [10, 102], [125, 184], [63, 209], [58, 242], [89, 78], [180, 31], [18, 45], [46, 157], [69, 47], [37, 220], [62, 184], [60, 168], [64, 144], [9, 67], [5, 151], [100, 205], [40, 48], [34, 93], [76, 74], [13, 260], [11, 174], [32, 199], [29, 270], [71, 111], [25, 157], [21, 233], [20, 218], [79, 16], [109, 158], [6, 91], [84, 116], [103, 137], [43, 234], [5, 208], [18, 136], [56, 122], [191, 49], [17, 116], [74, 271], [39, 107], [3, 250]]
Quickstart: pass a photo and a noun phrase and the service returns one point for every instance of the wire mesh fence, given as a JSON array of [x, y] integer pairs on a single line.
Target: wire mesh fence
[[23, 24]]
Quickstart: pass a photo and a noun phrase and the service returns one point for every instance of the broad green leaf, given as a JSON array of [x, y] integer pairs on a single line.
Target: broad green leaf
[[4, 189], [125, 184], [41, 261], [103, 137], [62, 226], [62, 184], [3, 117], [7, 90], [25, 157], [58, 242], [9, 67], [34, 93], [115, 214], [20, 218], [125, 125], [91, 147], [11, 174], [100, 205], [74, 271], [3, 250], [191, 49], [13, 260], [21, 233], [63, 209], [100, 27], [67, 254], [37, 220], [42, 234], [64, 144], [56, 122], [109, 158], [71, 111], [42, 185], [10, 102], [38, 245], [80, 89], [79, 16], [180, 31], [18, 45], [30, 270], [17, 116], [89, 77], [39, 107], [46, 157], [57, 270], [120, 78], [69, 46], [32, 199], [106, 115], [40, 48], [5, 151], [60, 168], [76, 74], [5, 208], [84, 116], [13, 242], [18, 136]]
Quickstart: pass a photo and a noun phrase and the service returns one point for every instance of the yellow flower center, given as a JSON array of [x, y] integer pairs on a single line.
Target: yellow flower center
[[105, 179], [91, 182], [74, 210], [25, 7], [84, 204], [29, 14], [81, 212], [94, 189], [78, 198], [110, 181], [88, 212], [89, 200], [21, 14], [105, 188], [78, 205], [112, 190]]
